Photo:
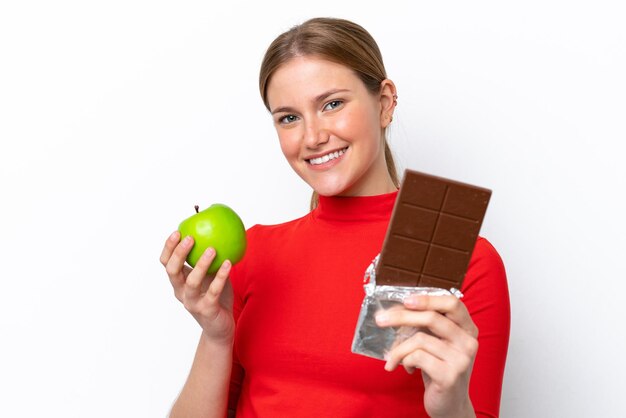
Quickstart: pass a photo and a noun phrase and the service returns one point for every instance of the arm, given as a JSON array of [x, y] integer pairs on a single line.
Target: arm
[[205, 393], [463, 357], [487, 300], [210, 302], [444, 350]]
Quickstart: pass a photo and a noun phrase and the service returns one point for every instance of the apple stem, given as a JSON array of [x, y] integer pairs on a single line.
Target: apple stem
[[196, 207]]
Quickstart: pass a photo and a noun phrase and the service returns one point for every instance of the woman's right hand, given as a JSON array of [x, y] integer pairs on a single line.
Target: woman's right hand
[[208, 299]]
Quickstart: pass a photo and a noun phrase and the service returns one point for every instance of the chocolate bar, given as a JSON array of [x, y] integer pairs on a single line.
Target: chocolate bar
[[432, 232]]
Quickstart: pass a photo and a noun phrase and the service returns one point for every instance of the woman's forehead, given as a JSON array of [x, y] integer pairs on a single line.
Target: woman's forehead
[[307, 77]]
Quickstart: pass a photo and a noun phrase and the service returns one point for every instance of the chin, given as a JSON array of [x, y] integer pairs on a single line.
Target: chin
[[330, 189], [335, 182]]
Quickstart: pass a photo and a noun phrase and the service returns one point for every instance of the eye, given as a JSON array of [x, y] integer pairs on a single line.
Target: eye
[[285, 120], [333, 105]]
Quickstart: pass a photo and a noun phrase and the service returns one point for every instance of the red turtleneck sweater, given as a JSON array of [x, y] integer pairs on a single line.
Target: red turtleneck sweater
[[298, 292]]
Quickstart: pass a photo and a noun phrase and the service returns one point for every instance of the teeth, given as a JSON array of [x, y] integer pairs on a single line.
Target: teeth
[[325, 158]]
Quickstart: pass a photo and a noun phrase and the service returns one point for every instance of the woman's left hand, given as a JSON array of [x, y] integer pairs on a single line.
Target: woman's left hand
[[444, 349]]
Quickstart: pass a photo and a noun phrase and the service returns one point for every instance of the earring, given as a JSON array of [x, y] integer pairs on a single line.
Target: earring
[[395, 99]]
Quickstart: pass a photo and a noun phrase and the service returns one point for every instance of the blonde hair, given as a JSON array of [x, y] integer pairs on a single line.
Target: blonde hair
[[336, 40]]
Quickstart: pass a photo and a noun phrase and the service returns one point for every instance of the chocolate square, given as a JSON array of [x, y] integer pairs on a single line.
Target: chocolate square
[[432, 232]]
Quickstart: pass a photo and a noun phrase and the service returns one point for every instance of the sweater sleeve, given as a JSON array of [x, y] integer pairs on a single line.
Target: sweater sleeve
[[238, 281], [486, 296], [236, 381], [237, 372]]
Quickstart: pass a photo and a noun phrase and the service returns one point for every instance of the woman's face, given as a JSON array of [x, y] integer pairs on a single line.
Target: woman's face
[[330, 126]]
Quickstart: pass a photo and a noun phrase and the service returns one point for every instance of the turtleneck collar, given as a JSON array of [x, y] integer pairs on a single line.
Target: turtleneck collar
[[355, 208]]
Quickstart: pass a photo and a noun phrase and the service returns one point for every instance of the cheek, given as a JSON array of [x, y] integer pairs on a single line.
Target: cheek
[[358, 124], [288, 145], [350, 122]]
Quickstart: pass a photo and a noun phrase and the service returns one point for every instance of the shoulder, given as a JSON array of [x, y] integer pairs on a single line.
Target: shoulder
[[264, 244], [262, 239], [486, 271], [260, 231], [485, 255], [486, 292]]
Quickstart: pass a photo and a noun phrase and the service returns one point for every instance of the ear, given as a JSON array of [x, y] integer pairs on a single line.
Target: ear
[[388, 102]]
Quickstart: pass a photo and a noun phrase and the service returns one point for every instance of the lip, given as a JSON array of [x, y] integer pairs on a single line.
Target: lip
[[321, 154], [328, 164]]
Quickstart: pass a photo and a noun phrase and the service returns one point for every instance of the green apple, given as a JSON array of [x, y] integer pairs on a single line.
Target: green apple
[[219, 227]]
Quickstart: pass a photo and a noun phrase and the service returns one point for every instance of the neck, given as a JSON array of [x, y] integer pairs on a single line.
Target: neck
[[371, 186], [356, 208]]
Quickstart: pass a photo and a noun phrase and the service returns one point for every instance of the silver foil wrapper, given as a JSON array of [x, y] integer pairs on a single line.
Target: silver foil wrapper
[[373, 341]]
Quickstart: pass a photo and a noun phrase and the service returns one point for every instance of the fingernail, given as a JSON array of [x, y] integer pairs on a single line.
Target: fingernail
[[208, 253], [382, 319], [414, 301], [174, 236], [226, 264], [187, 241]]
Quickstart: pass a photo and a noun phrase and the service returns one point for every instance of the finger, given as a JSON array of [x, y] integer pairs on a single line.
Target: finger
[[432, 368], [218, 283], [169, 246], [445, 373], [179, 255], [420, 341], [209, 302], [451, 306], [193, 283], [175, 264], [430, 322], [434, 322]]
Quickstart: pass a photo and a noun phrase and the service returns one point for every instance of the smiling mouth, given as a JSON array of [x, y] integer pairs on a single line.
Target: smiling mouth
[[326, 158]]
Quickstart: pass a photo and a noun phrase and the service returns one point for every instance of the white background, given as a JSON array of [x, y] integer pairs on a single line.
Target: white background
[[117, 117]]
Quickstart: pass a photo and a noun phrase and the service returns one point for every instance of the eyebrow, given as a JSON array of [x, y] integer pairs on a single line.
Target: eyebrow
[[317, 99]]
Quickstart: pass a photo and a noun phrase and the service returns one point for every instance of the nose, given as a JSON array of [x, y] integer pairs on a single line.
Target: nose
[[315, 134]]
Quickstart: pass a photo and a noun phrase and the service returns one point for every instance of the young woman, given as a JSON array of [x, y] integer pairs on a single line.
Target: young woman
[[277, 328]]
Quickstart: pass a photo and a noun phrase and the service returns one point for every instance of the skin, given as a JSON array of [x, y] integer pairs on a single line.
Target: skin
[[320, 107], [209, 299], [444, 351]]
